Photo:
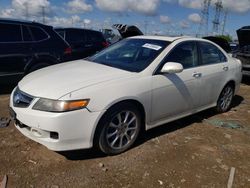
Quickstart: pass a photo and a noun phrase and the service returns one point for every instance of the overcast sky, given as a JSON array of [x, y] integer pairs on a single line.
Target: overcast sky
[[167, 17]]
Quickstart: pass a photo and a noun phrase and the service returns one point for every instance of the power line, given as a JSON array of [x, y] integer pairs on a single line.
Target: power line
[[26, 6], [203, 28], [43, 13], [216, 21], [224, 21]]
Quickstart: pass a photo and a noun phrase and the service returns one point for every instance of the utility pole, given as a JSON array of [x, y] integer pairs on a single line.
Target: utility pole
[[146, 26], [43, 13], [224, 21], [203, 28], [216, 22], [26, 6]]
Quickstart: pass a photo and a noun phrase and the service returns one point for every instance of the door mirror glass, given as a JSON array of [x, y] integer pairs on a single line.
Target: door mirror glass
[[172, 67]]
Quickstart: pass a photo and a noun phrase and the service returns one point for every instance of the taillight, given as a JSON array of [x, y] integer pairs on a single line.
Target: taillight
[[105, 44], [68, 51]]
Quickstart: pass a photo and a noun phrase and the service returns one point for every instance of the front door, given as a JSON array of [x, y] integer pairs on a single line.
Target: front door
[[175, 94]]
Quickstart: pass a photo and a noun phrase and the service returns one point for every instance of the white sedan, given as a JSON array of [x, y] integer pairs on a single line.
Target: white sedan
[[134, 85]]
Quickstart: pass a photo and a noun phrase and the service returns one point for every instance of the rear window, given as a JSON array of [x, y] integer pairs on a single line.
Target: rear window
[[10, 33], [38, 33], [210, 54]]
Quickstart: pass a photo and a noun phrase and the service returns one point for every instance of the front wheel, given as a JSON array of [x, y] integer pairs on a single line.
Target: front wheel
[[120, 128], [225, 99]]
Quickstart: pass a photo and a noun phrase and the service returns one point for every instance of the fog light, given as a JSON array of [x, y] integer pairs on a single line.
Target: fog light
[[54, 135]]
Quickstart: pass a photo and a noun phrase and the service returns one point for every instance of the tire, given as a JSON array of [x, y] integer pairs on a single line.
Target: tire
[[225, 99], [37, 67], [119, 129]]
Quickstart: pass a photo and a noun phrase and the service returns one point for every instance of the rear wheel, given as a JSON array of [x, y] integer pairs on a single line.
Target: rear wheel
[[225, 100], [120, 129]]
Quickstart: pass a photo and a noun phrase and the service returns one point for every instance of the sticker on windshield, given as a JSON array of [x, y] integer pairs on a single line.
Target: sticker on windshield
[[152, 46]]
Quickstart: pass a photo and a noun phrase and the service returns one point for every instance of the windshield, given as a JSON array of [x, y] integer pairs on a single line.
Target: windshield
[[130, 54]]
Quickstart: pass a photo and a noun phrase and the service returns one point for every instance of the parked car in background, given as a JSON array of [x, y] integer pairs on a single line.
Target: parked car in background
[[84, 42], [136, 84], [244, 49], [234, 47], [28, 46], [124, 31]]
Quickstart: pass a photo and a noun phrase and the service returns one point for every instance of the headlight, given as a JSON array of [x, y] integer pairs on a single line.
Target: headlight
[[49, 105]]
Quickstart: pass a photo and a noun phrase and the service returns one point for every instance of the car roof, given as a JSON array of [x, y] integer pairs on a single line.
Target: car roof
[[74, 28], [165, 38], [17, 21]]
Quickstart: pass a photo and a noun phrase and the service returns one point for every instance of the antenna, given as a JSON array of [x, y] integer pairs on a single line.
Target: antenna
[[203, 28], [216, 22]]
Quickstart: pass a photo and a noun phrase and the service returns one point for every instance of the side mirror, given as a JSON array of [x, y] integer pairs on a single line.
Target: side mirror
[[172, 67]]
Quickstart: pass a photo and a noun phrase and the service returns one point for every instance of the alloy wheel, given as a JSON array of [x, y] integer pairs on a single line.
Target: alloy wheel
[[122, 129]]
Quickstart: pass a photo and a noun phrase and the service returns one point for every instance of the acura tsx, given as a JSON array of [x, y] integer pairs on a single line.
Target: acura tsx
[[136, 84]]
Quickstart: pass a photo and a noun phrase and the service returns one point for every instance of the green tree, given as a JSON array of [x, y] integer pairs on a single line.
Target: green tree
[[226, 37]]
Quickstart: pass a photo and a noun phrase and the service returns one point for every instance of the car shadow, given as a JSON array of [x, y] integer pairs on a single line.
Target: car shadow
[[246, 80], [6, 89], [152, 133]]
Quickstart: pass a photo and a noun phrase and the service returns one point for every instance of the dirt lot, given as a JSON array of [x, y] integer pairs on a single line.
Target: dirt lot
[[191, 152]]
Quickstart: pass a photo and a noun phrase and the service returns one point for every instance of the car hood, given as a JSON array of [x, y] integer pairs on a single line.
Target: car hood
[[56, 81], [243, 36]]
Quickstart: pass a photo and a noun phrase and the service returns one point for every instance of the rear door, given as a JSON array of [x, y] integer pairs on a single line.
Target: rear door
[[213, 70], [13, 51]]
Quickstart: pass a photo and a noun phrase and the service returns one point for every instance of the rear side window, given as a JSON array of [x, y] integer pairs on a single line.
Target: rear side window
[[61, 33], [75, 36], [38, 33], [26, 34], [210, 54], [95, 37], [10, 33], [186, 54]]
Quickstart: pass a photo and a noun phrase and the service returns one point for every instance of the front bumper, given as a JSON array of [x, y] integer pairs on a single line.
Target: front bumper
[[57, 131]]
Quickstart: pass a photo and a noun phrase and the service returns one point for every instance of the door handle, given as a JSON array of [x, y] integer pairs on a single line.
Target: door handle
[[88, 45], [225, 68], [197, 75]]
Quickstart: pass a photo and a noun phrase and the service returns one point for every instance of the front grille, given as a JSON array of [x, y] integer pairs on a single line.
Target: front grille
[[21, 99]]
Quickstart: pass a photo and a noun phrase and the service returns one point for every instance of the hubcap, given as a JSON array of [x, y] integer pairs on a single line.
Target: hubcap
[[122, 130], [226, 98]]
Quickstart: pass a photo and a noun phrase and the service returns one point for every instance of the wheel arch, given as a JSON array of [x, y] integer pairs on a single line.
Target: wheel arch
[[232, 83], [135, 102]]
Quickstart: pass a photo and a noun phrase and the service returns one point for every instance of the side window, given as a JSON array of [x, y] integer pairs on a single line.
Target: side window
[[185, 53], [96, 37], [75, 36], [38, 33], [61, 33], [10, 33], [210, 54], [26, 34]]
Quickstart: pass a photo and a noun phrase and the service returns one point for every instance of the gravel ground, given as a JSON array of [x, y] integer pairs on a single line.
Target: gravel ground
[[191, 152]]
